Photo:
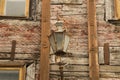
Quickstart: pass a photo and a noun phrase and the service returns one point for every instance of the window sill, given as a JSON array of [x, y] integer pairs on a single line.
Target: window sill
[[14, 17], [115, 22]]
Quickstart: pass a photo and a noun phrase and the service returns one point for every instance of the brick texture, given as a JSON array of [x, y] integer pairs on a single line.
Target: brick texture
[[73, 13]]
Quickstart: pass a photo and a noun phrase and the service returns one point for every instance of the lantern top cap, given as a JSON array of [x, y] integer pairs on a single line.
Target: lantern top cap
[[59, 25]]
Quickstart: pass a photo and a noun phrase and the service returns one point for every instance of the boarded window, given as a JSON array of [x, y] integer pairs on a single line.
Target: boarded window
[[15, 8]]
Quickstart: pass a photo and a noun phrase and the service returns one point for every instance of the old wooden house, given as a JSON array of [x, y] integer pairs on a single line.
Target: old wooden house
[[59, 39]]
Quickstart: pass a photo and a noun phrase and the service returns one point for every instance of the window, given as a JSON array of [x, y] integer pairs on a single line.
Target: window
[[14, 8], [12, 73]]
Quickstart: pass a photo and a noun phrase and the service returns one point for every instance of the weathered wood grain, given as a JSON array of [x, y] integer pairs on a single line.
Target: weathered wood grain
[[92, 41], [114, 55], [106, 54], [110, 75], [13, 50], [101, 55], [70, 68], [45, 30], [68, 74], [30, 72], [85, 68], [109, 78], [15, 63], [17, 56], [109, 9], [107, 68], [114, 49]]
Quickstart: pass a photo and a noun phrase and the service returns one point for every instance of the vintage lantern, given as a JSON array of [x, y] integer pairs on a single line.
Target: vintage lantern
[[59, 40]]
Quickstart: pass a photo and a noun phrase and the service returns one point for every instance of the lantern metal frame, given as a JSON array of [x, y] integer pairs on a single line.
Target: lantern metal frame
[[59, 40]]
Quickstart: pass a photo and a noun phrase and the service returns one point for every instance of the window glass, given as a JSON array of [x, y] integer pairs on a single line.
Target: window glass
[[9, 75], [15, 8]]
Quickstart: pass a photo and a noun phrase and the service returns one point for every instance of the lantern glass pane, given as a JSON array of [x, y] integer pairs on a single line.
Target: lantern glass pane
[[59, 37], [52, 42], [66, 42]]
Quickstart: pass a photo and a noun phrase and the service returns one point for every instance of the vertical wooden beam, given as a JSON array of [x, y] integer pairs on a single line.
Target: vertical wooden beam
[[27, 8], [45, 29], [106, 53], [117, 9], [13, 50], [92, 41], [2, 6]]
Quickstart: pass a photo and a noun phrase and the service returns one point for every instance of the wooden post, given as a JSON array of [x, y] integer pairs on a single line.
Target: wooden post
[[45, 30], [92, 41], [106, 53], [13, 50]]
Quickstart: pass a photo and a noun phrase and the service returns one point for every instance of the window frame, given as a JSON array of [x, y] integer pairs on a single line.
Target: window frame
[[117, 9], [112, 10], [21, 70], [27, 10]]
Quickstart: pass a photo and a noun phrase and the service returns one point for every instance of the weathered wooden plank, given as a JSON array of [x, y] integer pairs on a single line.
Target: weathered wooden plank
[[109, 9], [45, 30], [114, 55], [114, 49], [81, 78], [17, 56], [70, 68], [68, 74], [13, 50], [69, 78], [86, 74], [17, 61], [84, 68], [67, 1], [101, 55], [31, 48], [106, 53], [109, 78], [107, 68], [12, 63], [74, 55], [73, 60], [24, 56], [92, 40], [110, 75], [115, 62], [30, 72]]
